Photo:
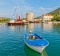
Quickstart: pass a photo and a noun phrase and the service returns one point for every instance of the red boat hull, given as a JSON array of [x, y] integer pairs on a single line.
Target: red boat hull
[[15, 23]]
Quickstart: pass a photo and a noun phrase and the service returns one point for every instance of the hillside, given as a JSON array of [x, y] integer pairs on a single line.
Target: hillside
[[55, 12]]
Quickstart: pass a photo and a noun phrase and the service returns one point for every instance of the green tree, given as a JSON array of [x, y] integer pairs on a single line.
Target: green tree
[[56, 18]]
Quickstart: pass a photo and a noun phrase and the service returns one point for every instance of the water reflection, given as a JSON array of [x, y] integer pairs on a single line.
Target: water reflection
[[30, 27], [30, 52], [12, 28], [44, 53], [47, 26], [56, 28], [17, 27]]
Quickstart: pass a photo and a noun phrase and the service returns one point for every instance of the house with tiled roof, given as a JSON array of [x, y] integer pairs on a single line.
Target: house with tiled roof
[[47, 17]]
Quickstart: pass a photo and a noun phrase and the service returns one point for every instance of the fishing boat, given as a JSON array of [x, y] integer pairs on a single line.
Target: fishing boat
[[16, 22], [35, 42]]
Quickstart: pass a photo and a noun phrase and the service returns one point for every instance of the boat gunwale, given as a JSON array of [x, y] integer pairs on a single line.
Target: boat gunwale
[[37, 39]]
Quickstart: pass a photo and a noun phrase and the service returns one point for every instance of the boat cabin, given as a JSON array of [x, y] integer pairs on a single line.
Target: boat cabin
[[32, 37]]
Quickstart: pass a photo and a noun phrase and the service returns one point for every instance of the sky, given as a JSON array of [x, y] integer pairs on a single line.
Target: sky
[[11, 8]]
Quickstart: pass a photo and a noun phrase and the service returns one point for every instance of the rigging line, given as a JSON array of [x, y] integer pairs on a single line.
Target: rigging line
[[15, 11], [16, 8]]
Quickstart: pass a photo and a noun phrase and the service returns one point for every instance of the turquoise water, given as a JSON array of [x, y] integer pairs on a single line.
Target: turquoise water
[[12, 39]]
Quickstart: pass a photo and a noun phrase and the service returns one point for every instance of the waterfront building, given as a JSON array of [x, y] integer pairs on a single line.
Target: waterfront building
[[46, 17], [1, 18], [30, 16]]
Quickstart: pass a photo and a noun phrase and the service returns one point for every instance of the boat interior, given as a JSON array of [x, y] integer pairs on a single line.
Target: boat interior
[[32, 38]]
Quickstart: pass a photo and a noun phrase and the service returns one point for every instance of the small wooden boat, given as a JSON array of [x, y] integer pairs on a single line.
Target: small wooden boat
[[35, 42]]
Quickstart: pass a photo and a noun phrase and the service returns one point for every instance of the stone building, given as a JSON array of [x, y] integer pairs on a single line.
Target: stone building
[[30, 16]]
